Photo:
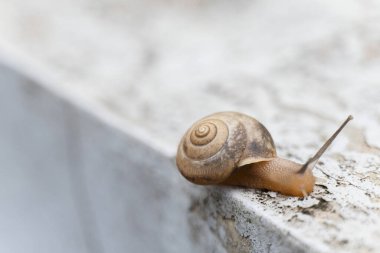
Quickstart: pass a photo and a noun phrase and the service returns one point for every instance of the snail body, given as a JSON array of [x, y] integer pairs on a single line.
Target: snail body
[[231, 148]]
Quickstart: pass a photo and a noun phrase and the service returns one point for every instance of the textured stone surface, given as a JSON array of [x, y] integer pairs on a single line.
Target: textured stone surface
[[154, 67]]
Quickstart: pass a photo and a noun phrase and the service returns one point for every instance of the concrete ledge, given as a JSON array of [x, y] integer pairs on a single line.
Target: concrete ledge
[[121, 194], [117, 193]]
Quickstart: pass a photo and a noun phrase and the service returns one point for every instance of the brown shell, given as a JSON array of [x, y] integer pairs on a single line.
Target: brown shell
[[217, 144]]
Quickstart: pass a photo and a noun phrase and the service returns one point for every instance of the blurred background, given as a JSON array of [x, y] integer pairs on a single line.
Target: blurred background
[[298, 66]]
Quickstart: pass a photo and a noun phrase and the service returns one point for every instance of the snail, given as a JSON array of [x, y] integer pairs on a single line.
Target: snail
[[231, 148]]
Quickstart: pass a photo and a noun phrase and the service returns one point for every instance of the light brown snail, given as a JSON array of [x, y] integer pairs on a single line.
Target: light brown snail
[[231, 148]]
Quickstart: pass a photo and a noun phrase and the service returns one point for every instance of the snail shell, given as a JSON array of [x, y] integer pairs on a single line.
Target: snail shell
[[214, 146]]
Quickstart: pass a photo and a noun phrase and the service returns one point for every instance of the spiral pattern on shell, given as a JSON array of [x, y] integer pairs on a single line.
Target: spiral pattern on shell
[[203, 133], [211, 147], [215, 145], [205, 139]]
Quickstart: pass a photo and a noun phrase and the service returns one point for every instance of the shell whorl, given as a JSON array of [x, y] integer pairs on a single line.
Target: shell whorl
[[215, 145], [206, 138]]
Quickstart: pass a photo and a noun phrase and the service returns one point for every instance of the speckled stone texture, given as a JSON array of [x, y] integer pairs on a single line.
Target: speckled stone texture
[[154, 67]]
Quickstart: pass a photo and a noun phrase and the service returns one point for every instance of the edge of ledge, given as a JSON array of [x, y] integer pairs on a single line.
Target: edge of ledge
[[263, 231]]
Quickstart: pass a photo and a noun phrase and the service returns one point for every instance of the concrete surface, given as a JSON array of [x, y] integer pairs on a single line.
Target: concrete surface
[[138, 73]]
